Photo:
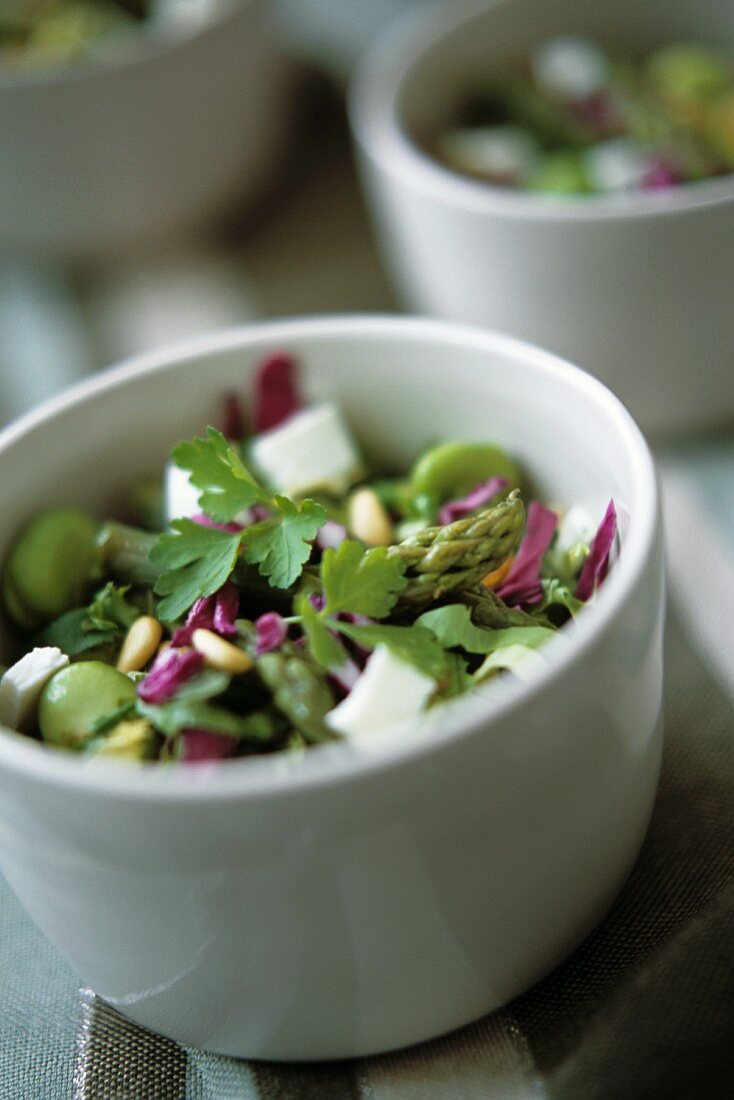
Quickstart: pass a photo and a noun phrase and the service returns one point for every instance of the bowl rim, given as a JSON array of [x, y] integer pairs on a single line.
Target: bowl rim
[[325, 765], [145, 46], [378, 130]]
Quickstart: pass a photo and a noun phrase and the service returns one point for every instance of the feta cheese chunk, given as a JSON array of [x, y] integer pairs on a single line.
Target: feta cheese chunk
[[181, 498], [500, 152], [22, 684], [576, 525], [389, 691], [312, 450], [617, 165], [570, 67]]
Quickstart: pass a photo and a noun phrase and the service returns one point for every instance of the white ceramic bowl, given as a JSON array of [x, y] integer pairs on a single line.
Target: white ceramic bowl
[[635, 286], [341, 904], [102, 156]]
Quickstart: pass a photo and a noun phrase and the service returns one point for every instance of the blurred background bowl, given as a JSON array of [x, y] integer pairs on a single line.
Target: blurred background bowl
[[636, 286], [108, 155]]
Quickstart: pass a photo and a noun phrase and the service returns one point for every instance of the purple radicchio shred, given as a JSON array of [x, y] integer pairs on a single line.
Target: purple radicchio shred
[[277, 396], [201, 744], [660, 175], [217, 612], [171, 669], [206, 521], [330, 535], [522, 585], [480, 495], [233, 422], [595, 567], [272, 631]]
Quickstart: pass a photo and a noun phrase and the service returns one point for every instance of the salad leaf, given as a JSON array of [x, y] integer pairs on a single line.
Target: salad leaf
[[519, 659], [196, 561], [414, 644], [522, 584], [281, 545], [325, 648], [556, 593], [181, 714], [102, 622], [364, 582], [595, 566], [277, 396], [215, 467], [109, 610], [452, 626]]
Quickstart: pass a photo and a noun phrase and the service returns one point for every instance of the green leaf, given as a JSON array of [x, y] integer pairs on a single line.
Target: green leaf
[[281, 545], [70, 634], [555, 592], [214, 466], [197, 561], [109, 610], [452, 626], [519, 659], [364, 582], [107, 617], [205, 685], [413, 644], [171, 718], [324, 647]]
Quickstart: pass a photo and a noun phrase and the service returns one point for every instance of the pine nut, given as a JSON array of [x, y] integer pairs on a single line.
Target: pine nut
[[221, 654], [368, 519], [141, 642]]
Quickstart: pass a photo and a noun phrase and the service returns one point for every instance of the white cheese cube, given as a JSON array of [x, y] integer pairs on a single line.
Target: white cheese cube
[[500, 152], [22, 684], [617, 165], [576, 525], [389, 691], [312, 450], [181, 498], [569, 67]]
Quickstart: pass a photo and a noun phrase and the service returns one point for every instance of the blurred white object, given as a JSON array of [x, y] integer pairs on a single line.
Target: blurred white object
[[44, 344], [186, 15], [105, 156], [388, 692], [617, 165], [181, 497], [502, 152], [635, 286], [569, 67], [313, 449]]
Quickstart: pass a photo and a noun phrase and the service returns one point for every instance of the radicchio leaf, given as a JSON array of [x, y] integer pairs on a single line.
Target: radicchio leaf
[[272, 631], [277, 396], [199, 744], [233, 424], [217, 612], [595, 567], [480, 495], [170, 670], [522, 585]]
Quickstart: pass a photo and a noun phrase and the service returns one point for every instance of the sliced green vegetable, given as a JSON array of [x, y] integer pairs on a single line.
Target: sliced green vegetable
[[453, 469]]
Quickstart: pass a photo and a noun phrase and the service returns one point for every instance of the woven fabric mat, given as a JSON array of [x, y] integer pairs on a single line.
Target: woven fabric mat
[[643, 1009]]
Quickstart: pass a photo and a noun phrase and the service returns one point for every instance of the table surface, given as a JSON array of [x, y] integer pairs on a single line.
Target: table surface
[[644, 1008]]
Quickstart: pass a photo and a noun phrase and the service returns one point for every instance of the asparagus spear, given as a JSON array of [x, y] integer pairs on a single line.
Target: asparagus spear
[[299, 690], [487, 609], [458, 555]]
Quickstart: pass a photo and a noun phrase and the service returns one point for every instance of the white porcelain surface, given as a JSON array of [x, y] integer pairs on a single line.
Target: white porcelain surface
[[345, 903], [99, 157], [636, 287]]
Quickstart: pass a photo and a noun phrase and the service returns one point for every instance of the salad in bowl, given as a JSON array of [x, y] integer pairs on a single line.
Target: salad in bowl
[[291, 597]]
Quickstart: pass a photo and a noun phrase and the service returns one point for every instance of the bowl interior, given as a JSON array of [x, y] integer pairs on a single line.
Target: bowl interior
[[452, 52], [401, 382]]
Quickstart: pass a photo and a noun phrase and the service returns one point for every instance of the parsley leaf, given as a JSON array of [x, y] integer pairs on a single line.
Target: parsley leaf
[[452, 626], [214, 466], [196, 561], [325, 648], [364, 582], [280, 545]]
